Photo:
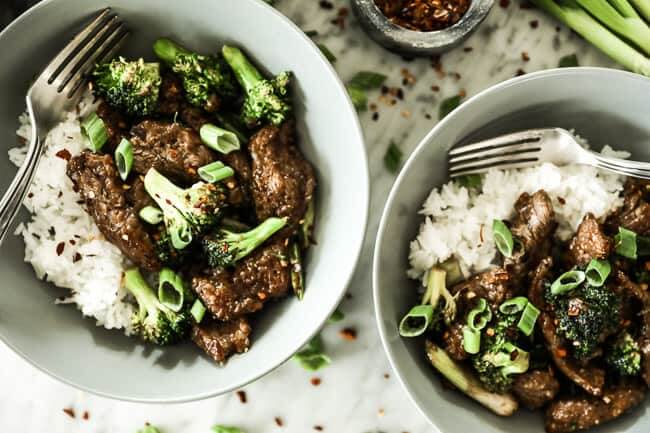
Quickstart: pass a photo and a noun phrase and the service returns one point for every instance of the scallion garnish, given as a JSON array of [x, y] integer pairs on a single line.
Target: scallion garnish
[[567, 282], [625, 242], [215, 172], [124, 158], [511, 359], [151, 215], [417, 321], [94, 129], [528, 318], [471, 340], [219, 139], [479, 316], [171, 290], [514, 305], [198, 310], [502, 238], [597, 272]]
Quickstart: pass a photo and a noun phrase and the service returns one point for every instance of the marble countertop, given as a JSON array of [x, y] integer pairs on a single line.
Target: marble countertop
[[358, 393]]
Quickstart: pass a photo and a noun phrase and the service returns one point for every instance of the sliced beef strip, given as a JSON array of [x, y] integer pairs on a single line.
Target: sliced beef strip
[[533, 226], [582, 412], [452, 341], [283, 181], [540, 277], [494, 285], [536, 388], [96, 179], [117, 126], [137, 196], [588, 377], [590, 242], [171, 98], [174, 150], [220, 340], [232, 292], [635, 213]]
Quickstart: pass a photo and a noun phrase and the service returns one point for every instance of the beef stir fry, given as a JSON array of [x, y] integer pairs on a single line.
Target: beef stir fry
[[195, 174], [557, 326]]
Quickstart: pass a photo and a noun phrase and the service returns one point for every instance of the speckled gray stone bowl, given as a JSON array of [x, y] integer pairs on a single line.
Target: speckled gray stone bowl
[[603, 105], [413, 43], [56, 338]]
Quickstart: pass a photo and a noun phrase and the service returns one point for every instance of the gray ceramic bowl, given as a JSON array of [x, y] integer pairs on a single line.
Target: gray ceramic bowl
[[409, 42], [605, 106], [56, 338]]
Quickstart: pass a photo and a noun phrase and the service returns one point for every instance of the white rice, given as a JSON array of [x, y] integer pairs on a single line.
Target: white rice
[[456, 219], [89, 266]]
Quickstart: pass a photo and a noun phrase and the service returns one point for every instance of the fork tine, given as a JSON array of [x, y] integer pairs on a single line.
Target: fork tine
[[85, 52], [524, 163], [531, 135], [514, 149], [643, 174], [58, 63], [495, 161], [623, 163], [106, 51]]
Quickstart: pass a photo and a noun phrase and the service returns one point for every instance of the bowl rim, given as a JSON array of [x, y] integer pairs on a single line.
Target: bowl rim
[[364, 188], [419, 149]]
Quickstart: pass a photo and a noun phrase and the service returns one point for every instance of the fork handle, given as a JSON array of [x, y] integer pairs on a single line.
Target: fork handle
[[17, 191]]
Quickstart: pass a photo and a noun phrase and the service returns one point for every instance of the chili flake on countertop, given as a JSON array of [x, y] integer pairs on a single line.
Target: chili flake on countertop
[[423, 15]]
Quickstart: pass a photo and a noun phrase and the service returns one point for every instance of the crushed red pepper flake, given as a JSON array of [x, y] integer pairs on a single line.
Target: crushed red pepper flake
[[504, 3], [279, 421], [64, 154], [76, 257], [375, 116], [468, 49], [423, 15], [86, 415], [386, 375], [435, 88], [524, 56], [30, 195], [381, 412], [315, 381], [242, 396], [69, 411], [561, 200], [526, 5], [59, 248], [520, 72], [318, 428], [462, 93], [324, 4], [349, 334], [534, 24]]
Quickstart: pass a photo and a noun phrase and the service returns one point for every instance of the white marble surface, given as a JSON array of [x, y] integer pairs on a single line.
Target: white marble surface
[[355, 396]]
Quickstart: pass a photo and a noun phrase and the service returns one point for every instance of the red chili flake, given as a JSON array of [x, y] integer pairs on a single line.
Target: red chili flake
[[61, 193], [456, 75], [72, 241], [318, 428], [400, 94], [534, 24], [520, 72], [575, 307], [468, 49], [324, 4], [372, 106], [64, 154], [386, 375], [348, 296], [349, 334], [375, 116], [69, 411], [423, 15], [504, 3], [76, 257], [381, 412], [524, 56], [315, 381], [30, 195], [462, 93], [242, 396], [86, 415], [427, 116], [561, 353], [561, 200], [526, 5], [279, 421], [435, 88], [59, 248]]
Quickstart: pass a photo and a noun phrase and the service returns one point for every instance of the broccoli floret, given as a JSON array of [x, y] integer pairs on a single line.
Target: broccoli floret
[[225, 247], [439, 296], [490, 375], [624, 356], [265, 100], [585, 316], [166, 253], [130, 86], [153, 321], [203, 76], [187, 213]]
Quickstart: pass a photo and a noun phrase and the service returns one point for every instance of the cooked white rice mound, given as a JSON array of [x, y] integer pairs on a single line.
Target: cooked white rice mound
[[458, 221], [62, 242]]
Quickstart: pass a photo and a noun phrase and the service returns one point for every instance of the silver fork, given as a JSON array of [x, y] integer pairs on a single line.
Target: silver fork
[[533, 147], [56, 91]]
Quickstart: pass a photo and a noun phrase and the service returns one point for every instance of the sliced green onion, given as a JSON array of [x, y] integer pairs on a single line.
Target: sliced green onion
[[567, 282], [502, 238], [151, 215], [181, 236], [504, 359], [417, 321], [124, 158], [528, 318], [514, 305], [214, 172], [219, 139], [479, 316], [471, 340], [171, 290], [597, 272], [197, 311], [94, 129], [625, 242]]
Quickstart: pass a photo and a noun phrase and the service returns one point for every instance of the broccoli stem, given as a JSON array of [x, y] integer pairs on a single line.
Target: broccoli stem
[[573, 16], [167, 50], [142, 292], [501, 404], [247, 74], [253, 238]]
